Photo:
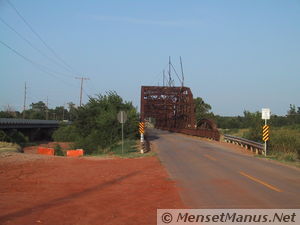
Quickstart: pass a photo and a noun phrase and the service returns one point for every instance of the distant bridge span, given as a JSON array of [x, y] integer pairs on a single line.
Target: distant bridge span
[[173, 109], [33, 129], [8, 123]]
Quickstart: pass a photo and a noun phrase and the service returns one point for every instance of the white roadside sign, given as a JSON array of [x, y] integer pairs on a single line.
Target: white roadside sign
[[122, 117], [265, 113]]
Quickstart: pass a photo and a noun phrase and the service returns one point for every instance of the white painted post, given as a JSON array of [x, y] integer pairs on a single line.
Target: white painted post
[[122, 119], [142, 143]]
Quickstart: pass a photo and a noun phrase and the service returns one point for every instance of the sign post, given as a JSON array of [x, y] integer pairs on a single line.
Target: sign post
[[265, 115], [122, 117], [142, 131]]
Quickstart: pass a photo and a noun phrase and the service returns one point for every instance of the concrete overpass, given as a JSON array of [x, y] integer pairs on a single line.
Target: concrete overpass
[[33, 129], [8, 123]]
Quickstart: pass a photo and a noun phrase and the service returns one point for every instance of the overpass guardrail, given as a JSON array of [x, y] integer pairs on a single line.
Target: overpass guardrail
[[253, 146], [9, 123]]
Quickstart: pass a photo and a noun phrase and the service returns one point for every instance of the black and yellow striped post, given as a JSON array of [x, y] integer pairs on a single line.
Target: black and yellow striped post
[[142, 127], [142, 131], [265, 133], [265, 136], [265, 115]]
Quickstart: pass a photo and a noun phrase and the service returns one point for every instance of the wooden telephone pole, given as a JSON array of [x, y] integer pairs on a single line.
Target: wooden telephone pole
[[81, 84], [47, 111], [24, 105]]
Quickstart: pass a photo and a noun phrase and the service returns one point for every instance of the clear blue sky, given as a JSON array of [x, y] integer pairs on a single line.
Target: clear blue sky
[[237, 55]]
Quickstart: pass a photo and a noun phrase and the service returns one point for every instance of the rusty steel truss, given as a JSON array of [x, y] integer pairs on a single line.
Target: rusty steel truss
[[173, 109]]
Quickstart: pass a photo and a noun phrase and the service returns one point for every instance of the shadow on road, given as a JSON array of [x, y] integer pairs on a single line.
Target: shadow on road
[[65, 199]]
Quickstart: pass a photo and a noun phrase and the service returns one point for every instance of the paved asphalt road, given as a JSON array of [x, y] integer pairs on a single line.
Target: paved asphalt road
[[212, 175]]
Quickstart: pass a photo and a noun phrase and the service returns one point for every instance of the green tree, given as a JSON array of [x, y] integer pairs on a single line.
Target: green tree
[[293, 115], [3, 136], [37, 111], [72, 113], [202, 109], [5, 114], [254, 122], [14, 136], [67, 133], [38, 106], [96, 126], [58, 113], [9, 112]]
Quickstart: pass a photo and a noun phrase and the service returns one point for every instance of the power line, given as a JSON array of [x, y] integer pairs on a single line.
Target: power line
[[176, 73], [35, 48], [48, 70], [182, 74], [87, 95], [90, 89], [39, 66], [40, 38], [158, 76]]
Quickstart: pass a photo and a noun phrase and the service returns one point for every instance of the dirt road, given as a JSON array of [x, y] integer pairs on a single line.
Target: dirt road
[[218, 176], [37, 189]]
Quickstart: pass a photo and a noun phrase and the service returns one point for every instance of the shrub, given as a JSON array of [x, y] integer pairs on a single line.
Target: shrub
[[96, 127], [58, 150], [254, 134], [16, 136], [66, 133], [285, 141], [3, 136]]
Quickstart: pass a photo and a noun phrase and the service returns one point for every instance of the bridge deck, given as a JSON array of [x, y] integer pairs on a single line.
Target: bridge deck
[[212, 175]]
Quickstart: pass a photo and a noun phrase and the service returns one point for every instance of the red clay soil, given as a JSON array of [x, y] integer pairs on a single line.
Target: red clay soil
[[38, 189]]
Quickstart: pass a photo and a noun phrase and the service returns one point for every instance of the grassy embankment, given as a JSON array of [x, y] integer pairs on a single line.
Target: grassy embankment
[[131, 150], [284, 144]]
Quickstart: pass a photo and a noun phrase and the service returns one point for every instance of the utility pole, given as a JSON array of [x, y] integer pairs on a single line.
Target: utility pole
[[47, 109], [163, 77], [81, 83], [63, 118], [24, 105], [170, 71]]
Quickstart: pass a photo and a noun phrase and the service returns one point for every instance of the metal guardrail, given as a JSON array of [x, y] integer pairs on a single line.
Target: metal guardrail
[[8, 123], [253, 146]]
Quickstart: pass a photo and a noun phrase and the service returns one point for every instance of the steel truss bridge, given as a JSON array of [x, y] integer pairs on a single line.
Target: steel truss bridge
[[173, 109]]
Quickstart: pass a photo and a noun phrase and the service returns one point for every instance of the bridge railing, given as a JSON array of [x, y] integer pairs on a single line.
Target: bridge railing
[[253, 146], [212, 134], [206, 133]]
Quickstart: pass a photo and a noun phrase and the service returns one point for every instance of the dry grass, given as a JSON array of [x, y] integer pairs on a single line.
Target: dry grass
[[284, 142], [234, 132], [6, 146]]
